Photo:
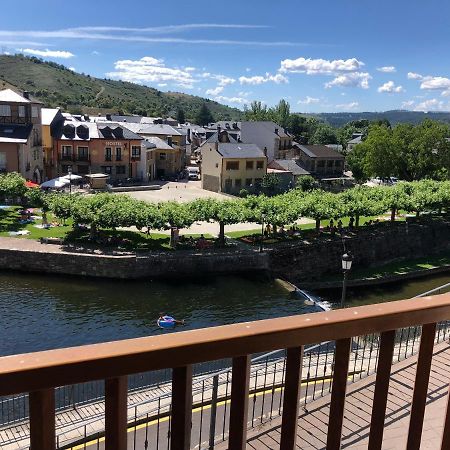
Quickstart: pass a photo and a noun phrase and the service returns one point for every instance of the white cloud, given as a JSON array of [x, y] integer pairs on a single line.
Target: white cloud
[[348, 106], [435, 83], [72, 69], [214, 92], [352, 79], [47, 53], [387, 69], [308, 100], [95, 52], [414, 76], [320, 66], [390, 88], [236, 100], [151, 70], [162, 84], [407, 104], [130, 35], [190, 69], [248, 69], [259, 79], [430, 105]]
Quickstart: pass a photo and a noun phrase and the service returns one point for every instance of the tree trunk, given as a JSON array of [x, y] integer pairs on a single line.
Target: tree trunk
[[393, 211], [318, 225], [222, 234], [93, 230], [173, 241], [417, 213], [357, 220]]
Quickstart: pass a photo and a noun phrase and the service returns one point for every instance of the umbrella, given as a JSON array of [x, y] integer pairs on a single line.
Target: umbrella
[[55, 183], [30, 184], [71, 177]]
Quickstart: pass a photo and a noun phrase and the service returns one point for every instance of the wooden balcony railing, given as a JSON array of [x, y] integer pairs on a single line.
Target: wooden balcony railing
[[39, 373]]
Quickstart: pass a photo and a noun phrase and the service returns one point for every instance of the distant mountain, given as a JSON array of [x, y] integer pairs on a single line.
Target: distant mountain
[[394, 117], [56, 85]]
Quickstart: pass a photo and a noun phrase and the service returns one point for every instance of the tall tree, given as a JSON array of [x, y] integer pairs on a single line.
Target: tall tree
[[181, 118], [204, 116], [281, 113]]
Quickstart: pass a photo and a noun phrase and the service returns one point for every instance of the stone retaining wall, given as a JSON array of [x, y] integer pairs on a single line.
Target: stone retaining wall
[[370, 247], [298, 262], [180, 264]]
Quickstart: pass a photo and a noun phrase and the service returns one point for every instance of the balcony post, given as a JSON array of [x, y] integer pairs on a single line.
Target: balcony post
[[291, 398], [387, 341], [116, 415], [338, 392], [42, 419], [240, 379], [180, 433], [419, 398]]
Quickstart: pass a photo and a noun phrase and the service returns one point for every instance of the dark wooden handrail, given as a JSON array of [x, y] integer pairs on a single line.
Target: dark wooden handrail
[[48, 369]]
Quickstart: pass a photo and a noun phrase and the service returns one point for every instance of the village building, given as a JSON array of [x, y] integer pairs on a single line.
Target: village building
[[21, 135], [321, 161]]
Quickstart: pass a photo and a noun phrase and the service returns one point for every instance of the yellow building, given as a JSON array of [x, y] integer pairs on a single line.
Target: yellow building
[[232, 166], [50, 118]]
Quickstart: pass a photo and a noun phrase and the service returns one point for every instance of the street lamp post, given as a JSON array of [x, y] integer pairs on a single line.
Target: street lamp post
[[69, 172], [262, 234], [347, 260]]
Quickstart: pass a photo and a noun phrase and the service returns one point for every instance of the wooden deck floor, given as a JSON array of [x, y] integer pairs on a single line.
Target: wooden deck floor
[[313, 423]]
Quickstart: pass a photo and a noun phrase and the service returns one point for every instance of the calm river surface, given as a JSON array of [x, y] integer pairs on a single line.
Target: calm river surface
[[43, 312]]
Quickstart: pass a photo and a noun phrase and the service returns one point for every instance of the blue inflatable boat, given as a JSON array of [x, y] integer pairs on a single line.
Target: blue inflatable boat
[[168, 322]]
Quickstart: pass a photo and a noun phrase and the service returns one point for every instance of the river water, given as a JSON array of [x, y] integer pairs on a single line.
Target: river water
[[40, 312]]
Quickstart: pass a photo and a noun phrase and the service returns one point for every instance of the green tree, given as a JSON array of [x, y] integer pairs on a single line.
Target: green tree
[[204, 116], [270, 183], [257, 111], [181, 118], [324, 134], [357, 162], [306, 183], [281, 113], [12, 185], [175, 216], [320, 205]]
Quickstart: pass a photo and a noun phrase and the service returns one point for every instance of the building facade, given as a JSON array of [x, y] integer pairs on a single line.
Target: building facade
[[321, 161], [20, 135], [231, 167]]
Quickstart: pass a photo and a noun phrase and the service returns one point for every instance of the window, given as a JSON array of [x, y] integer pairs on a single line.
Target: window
[[21, 111], [260, 164], [83, 170], [107, 169], [118, 153], [248, 182], [228, 185], [83, 153], [237, 183], [108, 154], [5, 110], [34, 111], [67, 151], [136, 152], [120, 170], [232, 165], [249, 165], [217, 165], [162, 156]]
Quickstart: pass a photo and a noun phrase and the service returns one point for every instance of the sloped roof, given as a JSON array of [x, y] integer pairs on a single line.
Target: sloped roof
[[268, 124], [48, 115], [8, 95], [17, 134], [215, 138], [356, 140], [320, 151], [240, 150], [111, 130], [158, 129], [158, 143], [289, 165]]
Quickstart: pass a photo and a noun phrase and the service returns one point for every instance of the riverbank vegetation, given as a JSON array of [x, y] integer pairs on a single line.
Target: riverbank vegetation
[[277, 215]]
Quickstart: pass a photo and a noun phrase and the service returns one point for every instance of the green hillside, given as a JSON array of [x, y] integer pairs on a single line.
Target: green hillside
[[56, 85]]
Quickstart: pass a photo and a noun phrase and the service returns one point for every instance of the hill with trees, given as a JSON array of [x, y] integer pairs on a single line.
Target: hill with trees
[[56, 85]]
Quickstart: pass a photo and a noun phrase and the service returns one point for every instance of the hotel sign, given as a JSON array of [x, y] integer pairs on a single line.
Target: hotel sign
[[113, 143]]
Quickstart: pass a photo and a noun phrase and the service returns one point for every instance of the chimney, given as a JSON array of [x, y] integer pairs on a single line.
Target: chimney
[[26, 94], [265, 151], [108, 117], [276, 130]]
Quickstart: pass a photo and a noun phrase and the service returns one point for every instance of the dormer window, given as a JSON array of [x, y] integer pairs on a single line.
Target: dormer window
[[5, 111]]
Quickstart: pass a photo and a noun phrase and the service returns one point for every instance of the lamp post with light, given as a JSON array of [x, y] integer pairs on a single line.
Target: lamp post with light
[[347, 260], [69, 172]]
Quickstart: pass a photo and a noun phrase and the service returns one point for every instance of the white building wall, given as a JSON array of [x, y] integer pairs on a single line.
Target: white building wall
[[261, 135]]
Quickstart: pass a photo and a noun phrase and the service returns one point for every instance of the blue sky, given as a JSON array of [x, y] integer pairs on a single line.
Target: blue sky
[[334, 55]]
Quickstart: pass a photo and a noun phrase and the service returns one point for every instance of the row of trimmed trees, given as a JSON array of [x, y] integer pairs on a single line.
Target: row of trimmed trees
[[113, 211]]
